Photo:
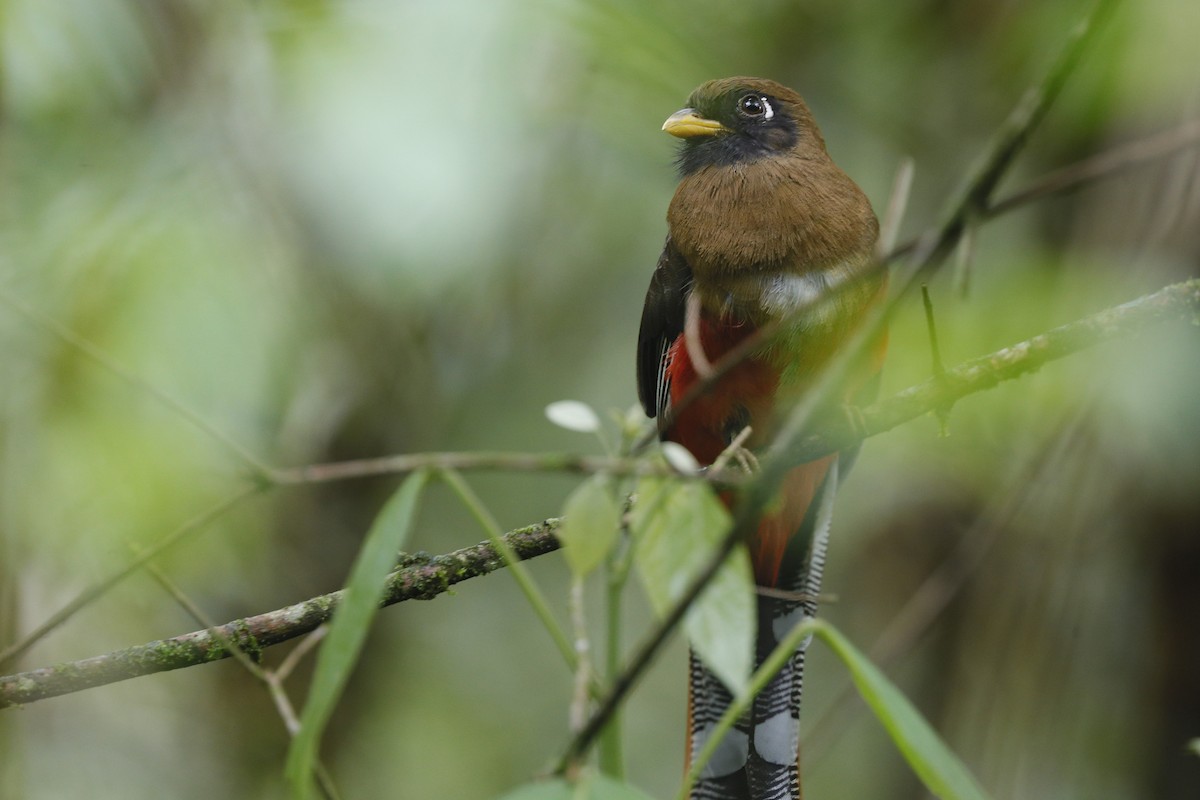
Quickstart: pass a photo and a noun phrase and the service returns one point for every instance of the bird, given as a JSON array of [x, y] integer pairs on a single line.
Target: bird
[[764, 231]]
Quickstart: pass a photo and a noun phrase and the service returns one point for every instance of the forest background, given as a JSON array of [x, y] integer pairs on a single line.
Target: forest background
[[338, 230]]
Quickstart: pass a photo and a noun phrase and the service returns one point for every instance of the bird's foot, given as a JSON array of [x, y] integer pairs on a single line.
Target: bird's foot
[[737, 453]]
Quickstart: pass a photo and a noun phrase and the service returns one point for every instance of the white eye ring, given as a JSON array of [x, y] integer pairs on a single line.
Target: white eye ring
[[770, 112]]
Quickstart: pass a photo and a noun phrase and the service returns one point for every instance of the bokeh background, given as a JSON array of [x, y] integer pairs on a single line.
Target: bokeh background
[[345, 229]]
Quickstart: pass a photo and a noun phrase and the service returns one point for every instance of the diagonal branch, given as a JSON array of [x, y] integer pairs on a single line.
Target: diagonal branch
[[975, 194], [339, 471], [257, 466], [1171, 302], [1108, 163], [930, 253], [929, 250], [460, 461], [424, 577], [101, 587], [420, 577]]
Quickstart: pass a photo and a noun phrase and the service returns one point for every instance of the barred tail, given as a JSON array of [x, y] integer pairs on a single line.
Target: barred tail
[[759, 758]]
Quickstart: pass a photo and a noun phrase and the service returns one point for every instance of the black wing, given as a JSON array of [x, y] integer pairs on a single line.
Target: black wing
[[662, 322]]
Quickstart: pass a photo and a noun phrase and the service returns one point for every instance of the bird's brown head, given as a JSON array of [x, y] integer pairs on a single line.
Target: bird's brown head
[[737, 120]]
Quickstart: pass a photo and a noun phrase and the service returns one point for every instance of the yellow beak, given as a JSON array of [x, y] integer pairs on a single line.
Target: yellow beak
[[686, 123]]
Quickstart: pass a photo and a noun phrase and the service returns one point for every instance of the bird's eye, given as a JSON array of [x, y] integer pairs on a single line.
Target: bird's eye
[[754, 106]]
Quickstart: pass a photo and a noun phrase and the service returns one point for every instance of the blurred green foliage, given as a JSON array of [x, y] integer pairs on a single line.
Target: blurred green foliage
[[344, 229]]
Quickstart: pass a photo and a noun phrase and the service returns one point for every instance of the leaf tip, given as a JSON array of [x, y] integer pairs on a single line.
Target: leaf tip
[[573, 415]]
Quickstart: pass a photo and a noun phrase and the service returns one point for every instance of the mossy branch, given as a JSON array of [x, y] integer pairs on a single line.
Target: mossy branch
[[1126, 320], [419, 577], [422, 577]]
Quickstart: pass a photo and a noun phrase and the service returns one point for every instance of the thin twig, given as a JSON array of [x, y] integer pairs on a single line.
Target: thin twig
[[306, 646], [789, 450], [731, 451], [644, 655], [934, 245], [196, 613], [935, 356], [467, 461], [926, 252], [583, 671], [923, 606], [90, 594], [1171, 302], [893, 215], [424, 577], [935, 350], [758, 493], [1105, 165], [283, 705], [524, 580], [271, 679], [975, 194], [964, 258], [64, 334]]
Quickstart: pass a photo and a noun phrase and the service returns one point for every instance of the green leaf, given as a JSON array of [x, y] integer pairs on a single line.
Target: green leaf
[[937, 767], [593, 786], [602, 787], [542, 790], [591, 521], [677, 528], [348, 630], [722, 625]]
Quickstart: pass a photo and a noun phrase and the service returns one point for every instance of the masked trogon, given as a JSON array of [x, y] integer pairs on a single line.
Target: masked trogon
[[763, 229]]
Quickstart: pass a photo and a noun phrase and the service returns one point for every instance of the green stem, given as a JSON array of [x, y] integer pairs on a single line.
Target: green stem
[[524, 580], [583, 652], [612, 758]]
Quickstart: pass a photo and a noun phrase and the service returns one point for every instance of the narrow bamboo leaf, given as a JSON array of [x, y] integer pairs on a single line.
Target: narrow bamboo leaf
[[348, 630], [938, 768], [591, 520], [677, 528], [593, 786]]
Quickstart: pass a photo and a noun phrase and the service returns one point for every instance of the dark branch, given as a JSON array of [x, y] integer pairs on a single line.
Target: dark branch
[[973, 198], [928, 251], [425, 577]]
